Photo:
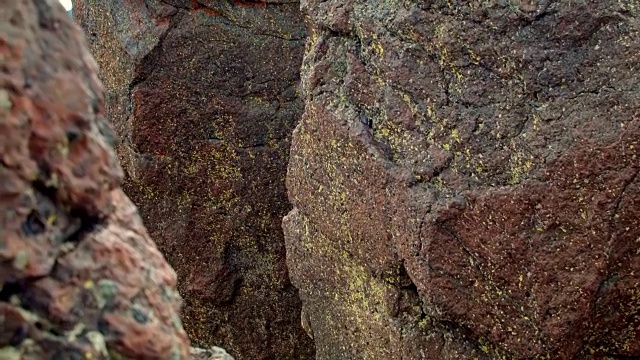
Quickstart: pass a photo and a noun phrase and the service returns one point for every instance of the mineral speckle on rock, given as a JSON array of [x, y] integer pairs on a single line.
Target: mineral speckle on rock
[[203, 95], [79, 276], [465, 180]]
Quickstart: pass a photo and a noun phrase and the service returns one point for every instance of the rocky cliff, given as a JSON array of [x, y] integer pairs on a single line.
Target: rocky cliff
[[465, 180], [79, 276], [203, 97]]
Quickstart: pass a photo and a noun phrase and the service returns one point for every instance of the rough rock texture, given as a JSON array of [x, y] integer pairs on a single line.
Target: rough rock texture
[[465, 180], [203, 96], [214, 353], [79, 276]]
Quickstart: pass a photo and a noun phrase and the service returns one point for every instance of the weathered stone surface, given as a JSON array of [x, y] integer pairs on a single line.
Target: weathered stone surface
[[465, 180], [79, 276], [203, 96], [214, 353]]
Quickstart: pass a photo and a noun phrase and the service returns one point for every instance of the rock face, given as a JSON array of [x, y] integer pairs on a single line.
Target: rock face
[[203, 96], [465, 180], [79, 275]]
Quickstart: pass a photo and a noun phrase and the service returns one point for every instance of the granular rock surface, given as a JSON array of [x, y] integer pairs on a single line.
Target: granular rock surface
[[203, 97], [465, 180], [214, 353], [79, 276]]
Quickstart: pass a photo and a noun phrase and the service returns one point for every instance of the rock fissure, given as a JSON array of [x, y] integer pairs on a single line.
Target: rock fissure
[[67, 229], [213, 105], [462, 174]]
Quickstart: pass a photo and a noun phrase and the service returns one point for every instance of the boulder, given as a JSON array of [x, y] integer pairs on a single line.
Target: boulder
[[465, 180], [80, 278], [203, 95]]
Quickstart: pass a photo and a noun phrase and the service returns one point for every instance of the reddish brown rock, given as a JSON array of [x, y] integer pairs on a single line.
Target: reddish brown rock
[[203, 96], [466, 182], [79, 275]]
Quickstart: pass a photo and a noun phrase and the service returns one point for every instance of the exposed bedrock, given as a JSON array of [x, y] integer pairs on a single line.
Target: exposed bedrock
[[203, 95], [465, 180], [80, 278]]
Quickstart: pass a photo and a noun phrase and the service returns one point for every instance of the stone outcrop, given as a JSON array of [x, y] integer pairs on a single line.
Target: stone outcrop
[[203, 97], [79, 276], [465, 180]]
